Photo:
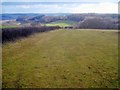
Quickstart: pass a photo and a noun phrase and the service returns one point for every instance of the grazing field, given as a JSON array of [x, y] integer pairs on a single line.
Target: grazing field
[[62, 59], [8, 27], [62, 23]]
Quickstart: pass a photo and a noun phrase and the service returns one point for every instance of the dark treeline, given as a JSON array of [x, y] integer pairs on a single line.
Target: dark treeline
[[11, 34]]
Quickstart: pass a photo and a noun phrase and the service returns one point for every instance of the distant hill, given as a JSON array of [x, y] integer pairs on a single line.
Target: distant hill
[[16, 16], [90, 20]]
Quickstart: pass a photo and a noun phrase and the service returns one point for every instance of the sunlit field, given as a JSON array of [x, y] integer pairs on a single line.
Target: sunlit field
[[62, 59], [62, 23]]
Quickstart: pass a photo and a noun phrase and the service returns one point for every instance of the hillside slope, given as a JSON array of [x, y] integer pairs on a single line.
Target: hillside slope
[[62, 58]]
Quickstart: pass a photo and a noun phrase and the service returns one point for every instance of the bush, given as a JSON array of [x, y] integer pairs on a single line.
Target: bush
[[11, 34]]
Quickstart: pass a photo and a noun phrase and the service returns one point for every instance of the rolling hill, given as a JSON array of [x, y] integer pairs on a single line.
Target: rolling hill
[[88, 21], [62, 59]]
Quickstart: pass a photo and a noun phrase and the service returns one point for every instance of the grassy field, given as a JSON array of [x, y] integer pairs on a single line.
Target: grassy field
[[62, 58], [7, 27], [61, 23]]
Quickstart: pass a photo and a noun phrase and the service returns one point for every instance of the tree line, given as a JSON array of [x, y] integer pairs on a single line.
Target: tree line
[[11, 34]]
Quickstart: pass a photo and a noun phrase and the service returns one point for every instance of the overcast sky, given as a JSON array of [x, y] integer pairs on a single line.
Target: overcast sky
[[59, 6], [60, 0]]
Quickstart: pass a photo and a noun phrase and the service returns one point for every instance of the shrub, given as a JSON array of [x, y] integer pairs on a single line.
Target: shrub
[[11, 34]]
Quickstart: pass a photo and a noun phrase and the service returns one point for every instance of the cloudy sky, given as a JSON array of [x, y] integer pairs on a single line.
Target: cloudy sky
[[59, 6]]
